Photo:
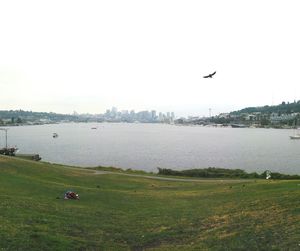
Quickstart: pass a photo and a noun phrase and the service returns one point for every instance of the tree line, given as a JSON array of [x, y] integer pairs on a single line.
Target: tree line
[[283, 108]]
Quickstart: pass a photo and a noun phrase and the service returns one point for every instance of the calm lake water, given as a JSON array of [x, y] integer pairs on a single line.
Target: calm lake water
[[148, 146]]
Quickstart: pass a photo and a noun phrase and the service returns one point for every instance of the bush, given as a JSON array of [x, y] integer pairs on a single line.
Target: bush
[[213, 172]]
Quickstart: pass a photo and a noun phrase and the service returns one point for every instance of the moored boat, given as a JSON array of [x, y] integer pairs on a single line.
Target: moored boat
[[238, 126], [296, 136], [296, 131]]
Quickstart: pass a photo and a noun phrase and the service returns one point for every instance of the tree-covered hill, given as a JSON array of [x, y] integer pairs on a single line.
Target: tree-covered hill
[[29, 115], [283, 108]]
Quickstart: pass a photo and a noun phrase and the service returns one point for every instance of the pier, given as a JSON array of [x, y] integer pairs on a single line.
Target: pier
[[12, 151], [33, 156]]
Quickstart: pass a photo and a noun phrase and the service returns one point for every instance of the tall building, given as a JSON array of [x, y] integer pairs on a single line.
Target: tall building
[[160, 116], [153, 114], [107, 113], [114, 109], [114, 112], [132, 115]]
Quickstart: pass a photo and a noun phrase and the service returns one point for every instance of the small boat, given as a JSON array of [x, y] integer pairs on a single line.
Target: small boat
[[238, 126], [296, 136], [94, 128], [55, 135], [296, 132]]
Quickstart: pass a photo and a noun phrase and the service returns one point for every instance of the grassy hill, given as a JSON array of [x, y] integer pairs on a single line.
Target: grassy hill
[[117, 212]]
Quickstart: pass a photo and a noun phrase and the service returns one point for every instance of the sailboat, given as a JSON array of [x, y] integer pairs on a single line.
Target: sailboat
[[296, 133], [296, 136]]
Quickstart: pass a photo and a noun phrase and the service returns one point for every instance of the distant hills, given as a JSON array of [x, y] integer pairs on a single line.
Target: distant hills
[[284, 115], [20, 116], [283, 108], [8, 117]]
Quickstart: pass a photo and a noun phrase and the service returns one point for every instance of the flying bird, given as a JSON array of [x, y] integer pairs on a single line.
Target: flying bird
[[210, 75]]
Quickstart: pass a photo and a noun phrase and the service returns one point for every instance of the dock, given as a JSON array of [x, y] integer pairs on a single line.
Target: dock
[[35, 157], [12, 151]]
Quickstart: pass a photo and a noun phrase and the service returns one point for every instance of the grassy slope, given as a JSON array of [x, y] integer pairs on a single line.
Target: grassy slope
[[129, 213]]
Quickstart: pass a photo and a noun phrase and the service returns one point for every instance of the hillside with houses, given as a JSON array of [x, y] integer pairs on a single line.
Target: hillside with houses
[[284, 115]]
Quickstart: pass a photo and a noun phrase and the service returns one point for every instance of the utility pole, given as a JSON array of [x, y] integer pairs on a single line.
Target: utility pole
[[5, 129]]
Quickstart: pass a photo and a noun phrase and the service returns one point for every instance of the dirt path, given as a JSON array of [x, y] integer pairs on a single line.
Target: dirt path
[[174, 179]]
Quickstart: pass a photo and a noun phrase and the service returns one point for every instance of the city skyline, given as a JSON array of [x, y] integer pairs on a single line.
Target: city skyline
[[210, 112]]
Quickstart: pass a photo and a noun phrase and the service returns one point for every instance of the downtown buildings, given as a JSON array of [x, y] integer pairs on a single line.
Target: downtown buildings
[[114, 115]]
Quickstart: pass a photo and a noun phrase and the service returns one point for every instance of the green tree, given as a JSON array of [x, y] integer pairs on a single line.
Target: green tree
[[264, 122]]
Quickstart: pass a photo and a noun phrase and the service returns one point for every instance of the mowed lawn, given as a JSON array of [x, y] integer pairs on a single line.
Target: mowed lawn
[[118, 212]]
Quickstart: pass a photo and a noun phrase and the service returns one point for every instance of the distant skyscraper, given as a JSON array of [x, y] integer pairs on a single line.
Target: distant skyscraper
[[153, 114], [113, 112], [160, 116]]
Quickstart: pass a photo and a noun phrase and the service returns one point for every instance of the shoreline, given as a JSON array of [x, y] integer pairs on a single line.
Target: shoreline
[[211, 125]]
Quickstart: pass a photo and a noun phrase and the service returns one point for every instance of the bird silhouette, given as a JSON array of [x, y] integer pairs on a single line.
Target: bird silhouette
[[210, 75]]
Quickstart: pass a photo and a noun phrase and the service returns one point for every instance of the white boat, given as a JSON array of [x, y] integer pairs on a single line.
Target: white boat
[[296, 136], [238, 126]]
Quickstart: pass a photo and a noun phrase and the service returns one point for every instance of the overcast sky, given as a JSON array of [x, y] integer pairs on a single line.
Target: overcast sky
[[87, 56]]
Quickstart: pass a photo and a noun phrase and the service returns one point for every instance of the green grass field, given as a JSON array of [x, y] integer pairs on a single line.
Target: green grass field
[[117, 212]]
